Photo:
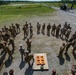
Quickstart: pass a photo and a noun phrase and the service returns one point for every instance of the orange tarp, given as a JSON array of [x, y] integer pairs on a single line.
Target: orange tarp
[[40, 60]]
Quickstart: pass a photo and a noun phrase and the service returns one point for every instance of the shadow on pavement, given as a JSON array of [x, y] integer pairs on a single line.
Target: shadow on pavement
[[22, 64], [29, 71], [2, 58], [8, 62], [74, 55], [67, 56], [61, 60]]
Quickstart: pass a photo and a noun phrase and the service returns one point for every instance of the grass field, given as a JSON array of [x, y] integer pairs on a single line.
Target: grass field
[[31, 9]]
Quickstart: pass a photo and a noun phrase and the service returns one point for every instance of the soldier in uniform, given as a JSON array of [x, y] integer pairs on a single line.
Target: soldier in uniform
[[73, 37], [22, 51], [7, 36], [63, 31], [43, 29], [48, 29], [69, 27], [11, 41], [28, 42], [67, 34], [38, 28], [27, 30], [53, 30], [62, 48], [65, 25], [13, 33], [5, 28], [14, 28], [58, 30], [3, 36], [31, 30], [24, 31], [26, 24], [7, 50], [67, 47], [28, 58], [18, 28]]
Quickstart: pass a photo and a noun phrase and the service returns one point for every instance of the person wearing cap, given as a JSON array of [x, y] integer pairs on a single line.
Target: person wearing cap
[[22, 51]]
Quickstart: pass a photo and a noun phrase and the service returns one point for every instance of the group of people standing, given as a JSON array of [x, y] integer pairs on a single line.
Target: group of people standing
[[56, 30], [27, 30], [63, 33], [8, 35]]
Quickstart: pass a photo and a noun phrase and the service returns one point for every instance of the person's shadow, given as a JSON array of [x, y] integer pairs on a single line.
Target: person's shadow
[[8, 62], [61, 60], [74, 55], [5, 73], [2, 58], [67, 56], [29, 71], [22, 64]]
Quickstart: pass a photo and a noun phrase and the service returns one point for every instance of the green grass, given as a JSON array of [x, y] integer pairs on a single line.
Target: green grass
[[9, 12], [26, 10]]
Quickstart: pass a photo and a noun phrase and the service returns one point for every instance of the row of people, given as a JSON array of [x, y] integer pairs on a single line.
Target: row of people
[[27, 28], [65, 47], [58, 31], [7, 38]]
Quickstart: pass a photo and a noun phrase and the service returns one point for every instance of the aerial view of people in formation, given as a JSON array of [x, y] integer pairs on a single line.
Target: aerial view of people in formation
[[8, 35]]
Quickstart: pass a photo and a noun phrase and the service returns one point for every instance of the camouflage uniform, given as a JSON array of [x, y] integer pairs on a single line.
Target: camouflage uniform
[[11, 41], [17, 28], [62, 48], [28, 42], [63, 31], [31, 30], [22, 51], [48, 29], [67, 34], [67, 46], [28, 59], [58, 30], [27, 30], [38, 28], [7, 50], [53, 30], [73, 37], [24, 30], [43, 28]]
